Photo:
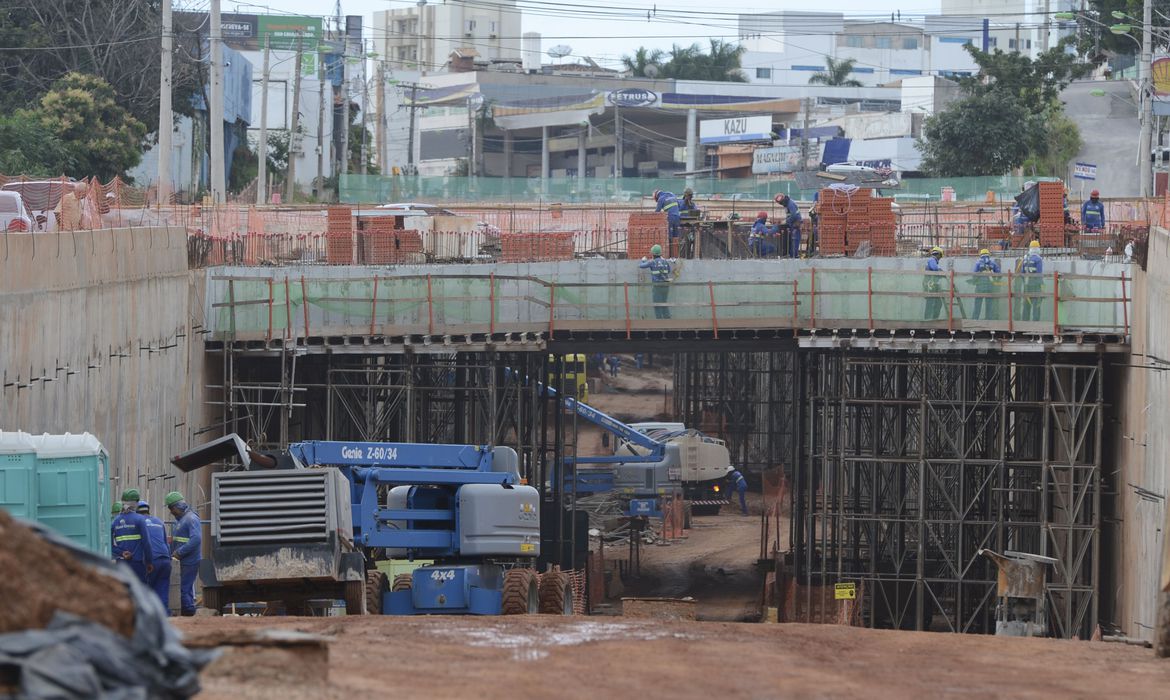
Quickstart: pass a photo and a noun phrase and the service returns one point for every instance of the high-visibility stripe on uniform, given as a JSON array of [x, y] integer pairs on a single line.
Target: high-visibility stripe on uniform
[[181, 539], [123, 538], [669, 205]]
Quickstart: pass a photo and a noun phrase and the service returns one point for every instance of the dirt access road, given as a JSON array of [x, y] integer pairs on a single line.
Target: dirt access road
[[519, 657]]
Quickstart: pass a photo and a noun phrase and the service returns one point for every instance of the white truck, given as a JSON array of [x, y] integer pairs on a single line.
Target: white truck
[[705, 461]]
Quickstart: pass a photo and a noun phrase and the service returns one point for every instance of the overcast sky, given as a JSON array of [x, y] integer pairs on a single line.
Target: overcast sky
[[606, 40]]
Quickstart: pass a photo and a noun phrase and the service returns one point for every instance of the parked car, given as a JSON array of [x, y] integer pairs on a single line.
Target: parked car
[[40, 199], [14, 216]]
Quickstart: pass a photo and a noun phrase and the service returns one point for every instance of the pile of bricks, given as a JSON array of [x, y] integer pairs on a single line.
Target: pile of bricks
[[1051, 224], [883, 226], [339, 236], [644, 231], [391, 246], [536, 247], [845, 221]]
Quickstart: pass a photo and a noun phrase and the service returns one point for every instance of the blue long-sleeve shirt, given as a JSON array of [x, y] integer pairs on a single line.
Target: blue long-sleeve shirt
[[130, 534], [659, 269], [738, 480], [187, 542], [932, 265], [158, 538], [1032, 264], [793, 212], [761, 229], [668, 203], [1093, 214]]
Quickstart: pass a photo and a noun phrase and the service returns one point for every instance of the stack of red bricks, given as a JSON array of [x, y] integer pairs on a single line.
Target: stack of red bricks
[[339, 236], [383, 244], [536, 247], [1051, 224], [844, 220], [645, 230], [883, 225]]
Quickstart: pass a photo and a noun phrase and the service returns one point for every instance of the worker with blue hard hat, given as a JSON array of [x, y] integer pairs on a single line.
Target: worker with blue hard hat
[[159, 580], [130, 538], [740, 483], [660, 276], [186, 547]]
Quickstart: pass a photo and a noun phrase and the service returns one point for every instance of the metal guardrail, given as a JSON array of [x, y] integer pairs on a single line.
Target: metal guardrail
[[296, 308]]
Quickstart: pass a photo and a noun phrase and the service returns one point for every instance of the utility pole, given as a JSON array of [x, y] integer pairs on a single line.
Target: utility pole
[[804, 134], [262, 177], [326, 93], [410, 137], [1146, 87], [215, 109], [470, 139], [365, 123], [294, 144], [1045, 27], [618, 156], [344, 165], [380, 127], [166, 117], [419, 59]]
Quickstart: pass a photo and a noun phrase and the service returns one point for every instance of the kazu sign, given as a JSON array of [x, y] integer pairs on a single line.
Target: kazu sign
[[632, 97], [735, 129]]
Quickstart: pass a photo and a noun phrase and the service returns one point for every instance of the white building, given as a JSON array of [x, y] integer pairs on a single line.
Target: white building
[[492, 29]]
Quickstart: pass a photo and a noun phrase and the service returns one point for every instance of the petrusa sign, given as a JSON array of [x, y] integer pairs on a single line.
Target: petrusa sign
[[735, 129], [632, 97]]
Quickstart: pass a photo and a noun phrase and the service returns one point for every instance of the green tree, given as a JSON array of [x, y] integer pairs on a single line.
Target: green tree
[[987, 134], [720, 62], [1058, 143], [82, 113], [1036, 82], [28, 148], [836, 73]]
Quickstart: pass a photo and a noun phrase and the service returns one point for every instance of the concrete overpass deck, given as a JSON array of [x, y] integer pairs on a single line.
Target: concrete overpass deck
[[881, 303]]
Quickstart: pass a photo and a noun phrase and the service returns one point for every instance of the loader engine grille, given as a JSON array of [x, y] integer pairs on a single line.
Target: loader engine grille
[[271, 507]]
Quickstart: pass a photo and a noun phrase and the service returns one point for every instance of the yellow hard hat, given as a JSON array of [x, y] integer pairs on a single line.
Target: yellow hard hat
[[1034, 244], [985, 252], [936, 249]]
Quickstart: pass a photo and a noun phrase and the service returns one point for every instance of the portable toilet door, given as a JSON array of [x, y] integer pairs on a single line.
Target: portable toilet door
[[18, 463], [72, 488]]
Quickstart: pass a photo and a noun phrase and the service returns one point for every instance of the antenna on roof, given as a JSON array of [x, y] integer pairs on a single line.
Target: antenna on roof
[[560, 51]]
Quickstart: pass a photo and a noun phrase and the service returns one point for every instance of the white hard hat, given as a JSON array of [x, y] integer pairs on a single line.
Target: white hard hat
[[730, 469]]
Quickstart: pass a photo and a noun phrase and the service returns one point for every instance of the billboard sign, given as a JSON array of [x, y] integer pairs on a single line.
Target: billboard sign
[[632, 97], [1085, 171], [736, 129], [784, 159]]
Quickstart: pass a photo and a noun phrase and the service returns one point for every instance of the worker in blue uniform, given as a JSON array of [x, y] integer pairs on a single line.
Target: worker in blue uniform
[[758, 239], [792, 220], [740, 484], [186, 546], [130, 539], [1031, 280], [159, 580], [986, 274], [1093, 213], [667, 202], [687, 203], [932, 284], [660, 276]]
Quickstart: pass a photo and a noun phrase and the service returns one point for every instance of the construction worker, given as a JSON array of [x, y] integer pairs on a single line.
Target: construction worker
[[667, 202], [814, 217], [186, 547], [660, 276], [758, 238], [1093, 213], [986, 271], [130, 538], [792, 220], [159, 580], [932, 284], [740, 484], [688, 201], [1031, 269]]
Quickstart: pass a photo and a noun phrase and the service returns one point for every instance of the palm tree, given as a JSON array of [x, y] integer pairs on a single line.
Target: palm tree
[[637, 64], [836, 73], [724, 62]]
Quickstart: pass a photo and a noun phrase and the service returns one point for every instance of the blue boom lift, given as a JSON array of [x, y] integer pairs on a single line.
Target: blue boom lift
[[308, 523]]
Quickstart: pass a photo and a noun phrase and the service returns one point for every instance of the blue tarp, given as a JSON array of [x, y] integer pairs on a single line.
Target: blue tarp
[[836, 151]]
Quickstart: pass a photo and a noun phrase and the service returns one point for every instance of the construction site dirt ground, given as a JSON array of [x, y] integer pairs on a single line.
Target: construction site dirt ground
[[519, 657]]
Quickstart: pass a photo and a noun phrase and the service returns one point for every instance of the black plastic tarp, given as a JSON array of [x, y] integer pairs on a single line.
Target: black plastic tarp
[[1029, 203], [76, 658]]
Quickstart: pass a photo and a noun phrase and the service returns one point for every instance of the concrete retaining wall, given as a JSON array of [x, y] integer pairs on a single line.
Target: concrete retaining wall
[[1138, 470], [101, 335]]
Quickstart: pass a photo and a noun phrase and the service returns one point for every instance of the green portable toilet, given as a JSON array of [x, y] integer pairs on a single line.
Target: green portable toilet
[[18, 464], [72, 488]]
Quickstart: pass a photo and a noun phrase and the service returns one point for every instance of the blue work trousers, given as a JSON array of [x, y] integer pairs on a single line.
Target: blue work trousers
[[159, 581], [138, 567], [743, 499], [794, 241], [188, 570], [672, 225]]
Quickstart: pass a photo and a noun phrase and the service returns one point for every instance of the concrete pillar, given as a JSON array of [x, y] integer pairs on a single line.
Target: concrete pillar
[[544, 159], [692, 144], [507, 153], [581, 159]]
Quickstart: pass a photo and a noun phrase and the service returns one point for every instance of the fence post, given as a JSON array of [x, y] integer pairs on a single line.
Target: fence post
[[552, 303], [812, 310], [869, 283], [287, 310], [430, 309], [374, 305], [492, 306], [271, 302], [714, 316], [231, 304], [795, 307], [305, 304], [1055, 303], [1124, 304], [1011, 306]]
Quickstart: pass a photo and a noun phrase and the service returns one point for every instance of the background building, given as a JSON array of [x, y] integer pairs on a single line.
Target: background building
[[426, 35]]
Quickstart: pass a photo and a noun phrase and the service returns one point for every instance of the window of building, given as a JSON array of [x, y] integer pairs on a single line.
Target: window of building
[[855, 41], [492, 28], [992, 42], [910, 43], [469, 26], [1012, 44], [763, 74], [884, 42]]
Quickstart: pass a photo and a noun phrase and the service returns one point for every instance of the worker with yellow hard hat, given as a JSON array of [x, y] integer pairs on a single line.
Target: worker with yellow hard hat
[[932, 284], [986, 274], [1031, 269]]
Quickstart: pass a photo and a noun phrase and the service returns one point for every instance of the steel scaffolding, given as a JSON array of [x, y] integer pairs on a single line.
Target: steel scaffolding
[[913, 463]]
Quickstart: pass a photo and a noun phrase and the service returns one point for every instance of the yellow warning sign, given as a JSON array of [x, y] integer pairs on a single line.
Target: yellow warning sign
[[525, 548], [845, 591]]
